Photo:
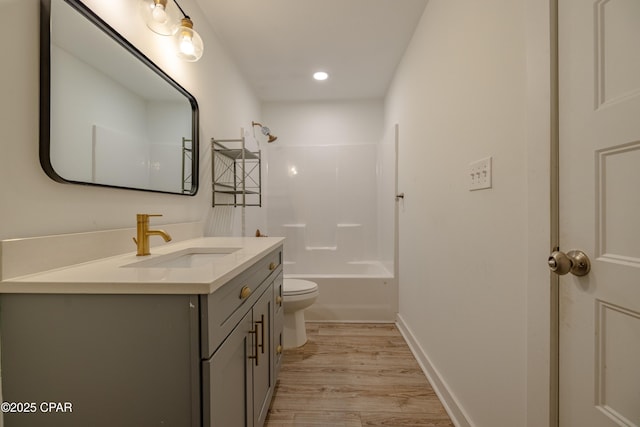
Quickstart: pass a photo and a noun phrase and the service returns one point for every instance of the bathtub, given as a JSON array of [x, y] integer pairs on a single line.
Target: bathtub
[[357, 291]]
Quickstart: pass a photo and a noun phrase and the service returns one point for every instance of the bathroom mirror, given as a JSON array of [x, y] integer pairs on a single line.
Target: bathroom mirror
[[108, 115]]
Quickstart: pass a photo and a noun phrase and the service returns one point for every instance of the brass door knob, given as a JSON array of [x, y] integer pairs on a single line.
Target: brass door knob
[[575, 262], [279, 349], [272, 266], [279, 300]]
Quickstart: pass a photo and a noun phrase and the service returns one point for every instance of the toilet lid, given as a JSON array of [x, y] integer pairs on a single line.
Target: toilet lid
[[298, 286]]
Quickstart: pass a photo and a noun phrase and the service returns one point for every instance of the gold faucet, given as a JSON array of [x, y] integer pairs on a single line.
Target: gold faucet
[[142, 239]]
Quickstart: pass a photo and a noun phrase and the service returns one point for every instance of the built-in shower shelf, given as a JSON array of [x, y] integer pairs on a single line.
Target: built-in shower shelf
[[236, 173]]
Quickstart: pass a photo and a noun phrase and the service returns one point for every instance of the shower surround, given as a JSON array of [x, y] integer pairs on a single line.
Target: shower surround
[[326, 201]]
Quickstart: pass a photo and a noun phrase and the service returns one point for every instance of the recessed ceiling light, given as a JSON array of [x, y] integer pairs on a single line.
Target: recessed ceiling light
[[320, 75]]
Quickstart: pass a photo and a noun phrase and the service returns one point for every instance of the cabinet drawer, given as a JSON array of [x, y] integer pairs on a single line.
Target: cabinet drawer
[[222, 310]]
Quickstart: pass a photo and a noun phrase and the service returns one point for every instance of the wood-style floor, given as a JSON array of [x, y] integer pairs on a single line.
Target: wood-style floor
[[354, 375]]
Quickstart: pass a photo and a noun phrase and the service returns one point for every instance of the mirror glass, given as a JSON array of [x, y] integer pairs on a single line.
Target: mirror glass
[[108, 115]]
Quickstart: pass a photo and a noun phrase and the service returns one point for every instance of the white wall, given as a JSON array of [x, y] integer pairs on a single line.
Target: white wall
[[325, 122], [467, 89], [33, 204]]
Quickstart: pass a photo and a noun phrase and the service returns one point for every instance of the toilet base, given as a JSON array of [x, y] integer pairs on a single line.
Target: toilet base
[[295, 332]]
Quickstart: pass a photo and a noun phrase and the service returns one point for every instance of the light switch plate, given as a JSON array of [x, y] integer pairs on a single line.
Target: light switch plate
[[479, 175]]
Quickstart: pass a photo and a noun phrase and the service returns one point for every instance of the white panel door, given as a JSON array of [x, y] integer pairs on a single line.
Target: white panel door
[[599, 64]]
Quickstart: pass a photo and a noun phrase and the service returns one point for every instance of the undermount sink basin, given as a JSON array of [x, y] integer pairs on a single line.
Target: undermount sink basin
[[186, 258]]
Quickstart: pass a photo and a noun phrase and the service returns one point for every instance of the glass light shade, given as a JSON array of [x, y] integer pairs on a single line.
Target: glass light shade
[[161, 16], [189, 45]]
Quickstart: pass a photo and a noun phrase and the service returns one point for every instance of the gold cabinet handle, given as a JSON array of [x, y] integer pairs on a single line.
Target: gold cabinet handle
[[255, 343], [272, 266], [279, 300], [261, 323], [279, 349], [245, 292]]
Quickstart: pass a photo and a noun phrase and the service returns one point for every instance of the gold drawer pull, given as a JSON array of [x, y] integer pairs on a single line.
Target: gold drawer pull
[[279, 300], [255, 342], [279, 349], [261, 323], [272, 266], [245, 292]]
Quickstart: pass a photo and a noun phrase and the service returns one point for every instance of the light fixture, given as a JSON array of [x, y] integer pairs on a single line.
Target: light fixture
[[265, 131], [320, 75], [189, 45], [162, 18]]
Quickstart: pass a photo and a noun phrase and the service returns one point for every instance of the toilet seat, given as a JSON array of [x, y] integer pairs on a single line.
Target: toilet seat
[[291, 287]]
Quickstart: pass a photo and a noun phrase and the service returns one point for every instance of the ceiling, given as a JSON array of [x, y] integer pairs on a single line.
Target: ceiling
[[278, 44]]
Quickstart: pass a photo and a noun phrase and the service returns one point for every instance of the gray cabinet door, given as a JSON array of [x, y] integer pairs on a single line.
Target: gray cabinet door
[[263, 381], [228, 380]]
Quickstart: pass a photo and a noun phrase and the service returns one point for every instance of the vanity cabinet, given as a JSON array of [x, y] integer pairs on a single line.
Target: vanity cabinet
[[188, 360]]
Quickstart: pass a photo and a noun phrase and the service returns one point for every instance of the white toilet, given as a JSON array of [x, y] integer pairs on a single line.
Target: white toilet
[[297, 296]]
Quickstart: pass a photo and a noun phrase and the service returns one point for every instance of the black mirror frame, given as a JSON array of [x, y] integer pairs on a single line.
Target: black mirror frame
[[45, 95]]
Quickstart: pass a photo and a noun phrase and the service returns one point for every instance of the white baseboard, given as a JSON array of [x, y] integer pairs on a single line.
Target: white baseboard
[[451, 404]]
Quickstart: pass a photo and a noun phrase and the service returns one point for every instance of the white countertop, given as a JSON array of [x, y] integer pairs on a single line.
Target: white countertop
[[113, 275]]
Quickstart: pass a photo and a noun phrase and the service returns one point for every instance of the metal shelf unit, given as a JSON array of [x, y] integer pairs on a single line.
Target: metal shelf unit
[[236, 173]]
